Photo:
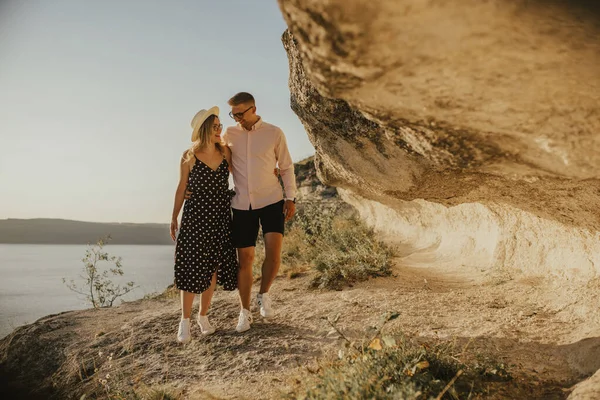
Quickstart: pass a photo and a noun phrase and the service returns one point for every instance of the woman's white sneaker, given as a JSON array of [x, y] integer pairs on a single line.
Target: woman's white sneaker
[[205, 327], [244, 321], [264, 302], [183, 334]]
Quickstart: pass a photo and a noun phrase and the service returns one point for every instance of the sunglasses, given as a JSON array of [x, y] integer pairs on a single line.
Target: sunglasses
[[239, 115]]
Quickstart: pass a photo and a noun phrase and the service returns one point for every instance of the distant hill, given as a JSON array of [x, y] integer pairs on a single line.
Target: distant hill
[[61, 231]]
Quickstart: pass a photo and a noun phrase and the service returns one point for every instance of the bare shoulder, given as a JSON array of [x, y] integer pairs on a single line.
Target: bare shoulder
[[185, 161]]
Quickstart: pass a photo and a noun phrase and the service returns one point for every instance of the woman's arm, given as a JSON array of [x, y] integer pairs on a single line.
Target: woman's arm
[[184, 172]]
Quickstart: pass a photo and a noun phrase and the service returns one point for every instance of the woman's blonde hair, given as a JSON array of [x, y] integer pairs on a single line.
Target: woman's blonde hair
[[204, 133]]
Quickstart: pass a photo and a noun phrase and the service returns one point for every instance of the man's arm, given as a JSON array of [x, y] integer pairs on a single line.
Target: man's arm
[[286, 168]]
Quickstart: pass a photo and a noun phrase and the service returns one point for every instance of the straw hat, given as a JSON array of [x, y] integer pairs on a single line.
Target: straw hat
[[199, 119]]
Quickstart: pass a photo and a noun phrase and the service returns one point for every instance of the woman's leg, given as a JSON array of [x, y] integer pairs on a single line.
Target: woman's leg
[[206, 296], [187, 300]]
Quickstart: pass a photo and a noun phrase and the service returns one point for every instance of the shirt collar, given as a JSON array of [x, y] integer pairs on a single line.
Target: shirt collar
[[257, 125]]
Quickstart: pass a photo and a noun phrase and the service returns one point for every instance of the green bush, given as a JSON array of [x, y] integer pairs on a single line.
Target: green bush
[[329, 238], [337, 244]]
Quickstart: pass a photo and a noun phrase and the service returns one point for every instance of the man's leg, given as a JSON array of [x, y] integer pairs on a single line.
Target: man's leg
[[245, 232], [270, 267], [273, 226], [246, 259]]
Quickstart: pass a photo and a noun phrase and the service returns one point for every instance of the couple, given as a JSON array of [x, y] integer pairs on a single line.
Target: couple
[[214, 224]]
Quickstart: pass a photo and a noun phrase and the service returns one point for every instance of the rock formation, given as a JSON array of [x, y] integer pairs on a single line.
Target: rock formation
[[472, 120], [466, 131]]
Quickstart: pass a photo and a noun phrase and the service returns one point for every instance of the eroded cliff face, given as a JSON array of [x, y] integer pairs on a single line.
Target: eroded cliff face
[[467, 131]]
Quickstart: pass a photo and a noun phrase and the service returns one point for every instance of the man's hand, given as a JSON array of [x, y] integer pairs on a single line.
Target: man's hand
[[188, 194], [289, 209], [173, 228]]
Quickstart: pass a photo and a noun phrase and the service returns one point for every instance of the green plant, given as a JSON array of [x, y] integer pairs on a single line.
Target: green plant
[[337, 244], [98, 287], [392, 367], [329, 238]]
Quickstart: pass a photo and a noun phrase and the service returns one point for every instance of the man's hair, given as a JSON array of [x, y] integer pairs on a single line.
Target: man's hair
[[241, 98]]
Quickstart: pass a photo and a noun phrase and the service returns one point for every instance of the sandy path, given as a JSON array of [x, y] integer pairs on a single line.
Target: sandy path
[[503, 320]]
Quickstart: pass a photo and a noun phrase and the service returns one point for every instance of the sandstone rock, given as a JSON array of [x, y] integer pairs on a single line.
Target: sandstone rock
[[467, 132], [506, 89], [588, 389], [310, 188], [486, 113]]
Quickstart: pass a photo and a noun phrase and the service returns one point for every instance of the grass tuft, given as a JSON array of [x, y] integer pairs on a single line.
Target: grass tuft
[[390, 367], [333, 241]]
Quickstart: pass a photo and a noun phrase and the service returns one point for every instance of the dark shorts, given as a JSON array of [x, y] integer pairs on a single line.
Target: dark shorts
[[246, 223]]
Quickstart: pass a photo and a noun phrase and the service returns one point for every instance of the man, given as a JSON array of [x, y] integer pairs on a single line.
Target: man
[[257, 147]]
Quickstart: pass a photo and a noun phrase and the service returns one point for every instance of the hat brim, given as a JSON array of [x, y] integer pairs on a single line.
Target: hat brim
[[211, 111]]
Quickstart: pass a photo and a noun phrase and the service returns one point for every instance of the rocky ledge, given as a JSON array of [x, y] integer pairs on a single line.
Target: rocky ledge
[[467, 132], [478, 121]]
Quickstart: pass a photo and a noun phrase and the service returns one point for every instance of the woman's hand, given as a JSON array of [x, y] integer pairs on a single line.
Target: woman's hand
[[174, 228]]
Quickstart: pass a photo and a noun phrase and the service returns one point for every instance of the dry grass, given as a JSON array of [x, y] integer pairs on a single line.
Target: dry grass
[[330, 240], [68, 354], [169, 293], [393, 367]]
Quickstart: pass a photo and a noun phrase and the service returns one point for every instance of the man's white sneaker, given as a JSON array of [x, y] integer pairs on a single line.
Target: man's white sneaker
[[264, 302], [244, 321], [183, 334], [205, 327]]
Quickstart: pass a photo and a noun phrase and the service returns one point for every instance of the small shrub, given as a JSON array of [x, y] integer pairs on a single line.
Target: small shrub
[[337, 244], [170, 292], [393, 368], [332, 240], [98, 288]]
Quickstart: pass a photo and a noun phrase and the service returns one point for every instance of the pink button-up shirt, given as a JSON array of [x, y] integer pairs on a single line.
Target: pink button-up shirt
[[255, 153]]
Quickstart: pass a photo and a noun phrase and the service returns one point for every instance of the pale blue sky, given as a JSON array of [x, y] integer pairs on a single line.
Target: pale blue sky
[[96, 98]]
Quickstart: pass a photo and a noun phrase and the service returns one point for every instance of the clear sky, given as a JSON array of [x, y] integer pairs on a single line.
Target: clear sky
[[96, 98]]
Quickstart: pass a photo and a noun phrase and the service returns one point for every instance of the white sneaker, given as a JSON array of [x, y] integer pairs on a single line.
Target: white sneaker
[[264, 302], [205, 327], [183, 334], [244, 321]]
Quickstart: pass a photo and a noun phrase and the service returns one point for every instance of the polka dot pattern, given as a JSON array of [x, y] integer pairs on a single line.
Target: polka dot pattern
[[204, 241]]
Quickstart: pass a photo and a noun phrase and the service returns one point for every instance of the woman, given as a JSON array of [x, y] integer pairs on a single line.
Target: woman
[[204, 254]]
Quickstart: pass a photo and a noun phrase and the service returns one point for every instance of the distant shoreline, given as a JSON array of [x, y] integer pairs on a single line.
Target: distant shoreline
[[62, 231], [65, 231]]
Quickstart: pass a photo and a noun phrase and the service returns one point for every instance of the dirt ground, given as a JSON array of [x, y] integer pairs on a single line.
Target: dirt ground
[[133, 345]]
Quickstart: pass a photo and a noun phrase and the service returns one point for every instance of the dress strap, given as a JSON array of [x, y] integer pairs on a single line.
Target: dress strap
[[221, 150]]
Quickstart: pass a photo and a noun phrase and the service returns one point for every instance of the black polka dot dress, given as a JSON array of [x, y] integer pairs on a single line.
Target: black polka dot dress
[[204, 241]]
